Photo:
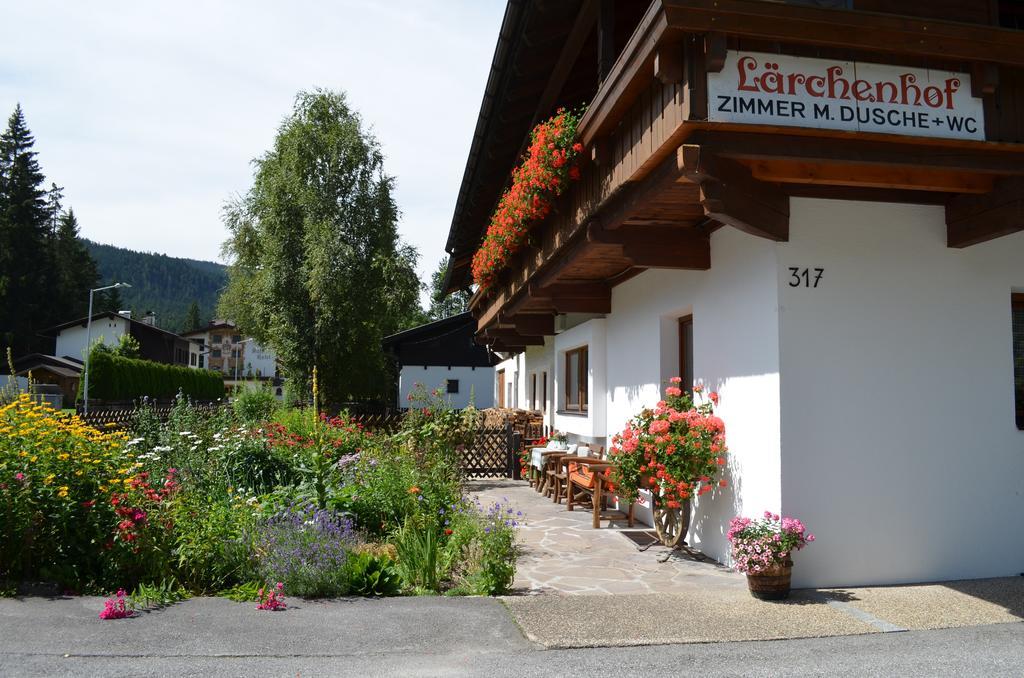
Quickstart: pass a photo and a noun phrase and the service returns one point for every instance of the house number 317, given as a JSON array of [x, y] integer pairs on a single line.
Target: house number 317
[[804, 277]]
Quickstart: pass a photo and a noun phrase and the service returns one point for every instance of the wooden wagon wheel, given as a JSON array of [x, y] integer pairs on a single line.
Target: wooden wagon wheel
[[671, 524]]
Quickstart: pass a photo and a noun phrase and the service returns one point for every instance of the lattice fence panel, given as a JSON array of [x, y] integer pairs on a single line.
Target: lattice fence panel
[[489, 455]]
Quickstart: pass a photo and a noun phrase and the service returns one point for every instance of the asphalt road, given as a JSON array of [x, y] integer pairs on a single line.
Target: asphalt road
[[440, 636]]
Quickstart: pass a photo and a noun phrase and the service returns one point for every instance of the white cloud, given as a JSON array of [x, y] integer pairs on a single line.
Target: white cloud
[[149, 113]]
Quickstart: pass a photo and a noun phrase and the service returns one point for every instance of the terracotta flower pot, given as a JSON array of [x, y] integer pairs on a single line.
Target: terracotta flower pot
[[771, 583]]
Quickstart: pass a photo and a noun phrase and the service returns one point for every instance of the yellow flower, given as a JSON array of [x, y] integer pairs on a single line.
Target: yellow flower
[[63, 492], [48, 479], [33, 458], [63, 456]]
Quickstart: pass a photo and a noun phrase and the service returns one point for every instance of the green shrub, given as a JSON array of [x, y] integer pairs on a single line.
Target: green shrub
[[372, 575], [480, 554], [418, 548], [113, 377], [211, 546], [255, 406]]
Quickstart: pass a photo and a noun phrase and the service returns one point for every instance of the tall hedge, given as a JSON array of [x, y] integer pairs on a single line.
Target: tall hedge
[[112, 377]]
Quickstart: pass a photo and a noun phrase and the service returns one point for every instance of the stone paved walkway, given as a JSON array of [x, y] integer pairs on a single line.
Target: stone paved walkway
[[562, 553]]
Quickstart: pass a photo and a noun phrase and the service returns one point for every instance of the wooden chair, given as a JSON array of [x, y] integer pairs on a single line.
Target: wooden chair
[[589, 478], [552, 466], [569, 464]]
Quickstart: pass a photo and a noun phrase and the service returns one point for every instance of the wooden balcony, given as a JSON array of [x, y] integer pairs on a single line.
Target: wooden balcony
[[661, 177]]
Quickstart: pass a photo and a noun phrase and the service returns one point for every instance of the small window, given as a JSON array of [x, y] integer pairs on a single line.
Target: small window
[[215, 339], [215, 353], [686, 352], [453, 386], [544, 391], [533, 392], [576, 380], [1017, 323], [501, 388], [236, 338], [278, 392], [192, 359]]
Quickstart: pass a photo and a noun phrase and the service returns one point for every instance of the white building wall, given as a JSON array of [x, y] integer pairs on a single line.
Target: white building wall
[[734, 308], [900, 450], [260, 360], [591, 426], [72, 341], [475, 383]]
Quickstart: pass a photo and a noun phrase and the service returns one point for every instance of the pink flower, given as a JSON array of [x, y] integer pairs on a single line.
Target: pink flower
[[676, 380], [674, 391], [713, 397], [19, 476], [658, 426]]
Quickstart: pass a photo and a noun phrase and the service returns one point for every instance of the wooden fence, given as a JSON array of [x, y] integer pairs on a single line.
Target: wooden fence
[[493, 453], [106, 418]]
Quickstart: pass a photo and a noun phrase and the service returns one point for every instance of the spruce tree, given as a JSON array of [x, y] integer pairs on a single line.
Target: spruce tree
[[192, 321], [444, 305], [112, 301], [24, 258], [76, 270]]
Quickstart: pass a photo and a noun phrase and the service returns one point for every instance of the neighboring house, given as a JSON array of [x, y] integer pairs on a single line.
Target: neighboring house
[[47, 369], [155, 344], [443, 355], [220, 346], [816, 212]]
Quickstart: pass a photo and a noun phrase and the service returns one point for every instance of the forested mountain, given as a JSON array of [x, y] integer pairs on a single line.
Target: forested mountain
[[168, 286]]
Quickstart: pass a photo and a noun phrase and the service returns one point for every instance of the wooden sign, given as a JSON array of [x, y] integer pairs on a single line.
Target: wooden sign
[[775, 89]]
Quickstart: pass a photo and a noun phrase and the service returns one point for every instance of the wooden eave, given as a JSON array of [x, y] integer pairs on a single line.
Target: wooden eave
[[694, 176]]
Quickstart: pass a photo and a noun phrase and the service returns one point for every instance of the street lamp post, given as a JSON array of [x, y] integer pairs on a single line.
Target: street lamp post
[[88, 339]]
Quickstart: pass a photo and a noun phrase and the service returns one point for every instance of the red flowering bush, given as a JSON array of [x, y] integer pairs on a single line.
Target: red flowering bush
[[674, 450], [542, 176]]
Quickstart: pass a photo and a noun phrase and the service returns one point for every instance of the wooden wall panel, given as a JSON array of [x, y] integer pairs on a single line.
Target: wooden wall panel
[[973, 12]]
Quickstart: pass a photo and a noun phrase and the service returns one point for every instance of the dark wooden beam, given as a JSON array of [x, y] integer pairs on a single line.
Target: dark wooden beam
[[629, 76], [968, 156], [668, 64], [634, 195], [586, 290], [859, 31], [534, 324], [512, 337], [972, 219], [658, 246], [715, 47], [984, 79], [575, 297], [732, 196], [570, 305], [906, 177]]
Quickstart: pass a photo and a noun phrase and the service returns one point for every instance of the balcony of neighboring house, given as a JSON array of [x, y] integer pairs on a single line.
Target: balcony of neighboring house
[[668, 159]]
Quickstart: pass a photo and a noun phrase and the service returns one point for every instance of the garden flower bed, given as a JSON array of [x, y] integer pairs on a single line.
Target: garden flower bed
[[243, 499]]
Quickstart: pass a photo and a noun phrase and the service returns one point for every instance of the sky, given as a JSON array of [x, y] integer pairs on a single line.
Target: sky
[[150, 113]]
